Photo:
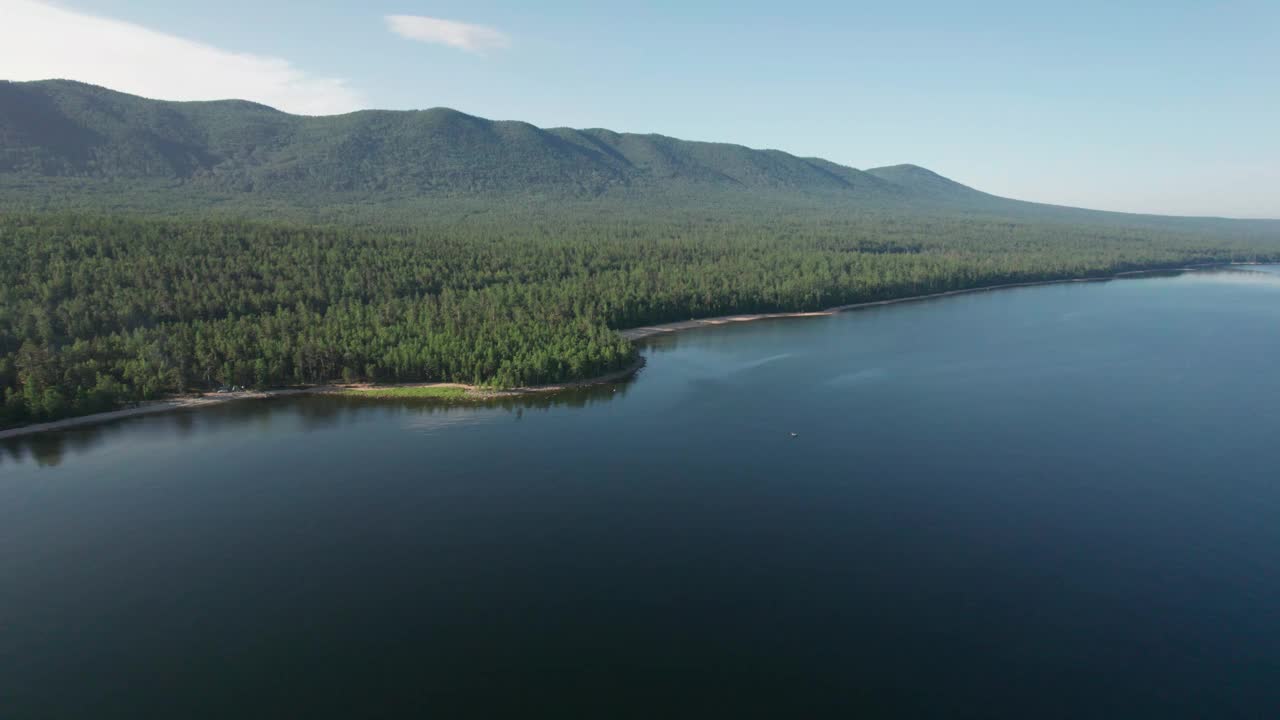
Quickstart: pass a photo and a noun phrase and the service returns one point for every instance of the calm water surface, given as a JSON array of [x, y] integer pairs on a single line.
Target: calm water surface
[[1048, 502]]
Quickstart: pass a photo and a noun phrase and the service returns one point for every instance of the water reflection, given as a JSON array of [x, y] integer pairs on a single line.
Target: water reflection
[[1234, 275]]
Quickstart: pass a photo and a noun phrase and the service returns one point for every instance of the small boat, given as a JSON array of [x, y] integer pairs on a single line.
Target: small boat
[[795, 435]]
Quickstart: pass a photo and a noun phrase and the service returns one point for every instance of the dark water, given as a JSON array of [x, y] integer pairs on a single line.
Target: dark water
[[1048, 502]]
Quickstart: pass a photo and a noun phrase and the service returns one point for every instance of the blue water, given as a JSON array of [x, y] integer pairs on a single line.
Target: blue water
[[1059, 501]]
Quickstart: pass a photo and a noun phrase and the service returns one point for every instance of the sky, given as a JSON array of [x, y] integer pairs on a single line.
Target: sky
[[1167, 107]]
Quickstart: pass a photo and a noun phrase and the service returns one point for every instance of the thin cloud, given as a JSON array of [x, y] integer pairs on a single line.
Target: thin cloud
[[40, 41], [464, 36]]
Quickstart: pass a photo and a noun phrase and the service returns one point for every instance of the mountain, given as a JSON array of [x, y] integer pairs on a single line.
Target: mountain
[[66, 144], [925, 183], [61, 128]]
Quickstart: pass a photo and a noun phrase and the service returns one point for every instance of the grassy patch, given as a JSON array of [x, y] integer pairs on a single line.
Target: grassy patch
[[397, 393]]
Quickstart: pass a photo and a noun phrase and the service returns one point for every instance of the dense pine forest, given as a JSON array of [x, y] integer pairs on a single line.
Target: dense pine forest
[[98, 309]]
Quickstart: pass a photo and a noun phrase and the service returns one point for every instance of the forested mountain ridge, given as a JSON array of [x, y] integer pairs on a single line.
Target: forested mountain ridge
[[60, 128], [70, 145]]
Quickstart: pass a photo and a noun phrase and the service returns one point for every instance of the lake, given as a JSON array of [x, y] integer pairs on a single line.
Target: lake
[[1059, 501]]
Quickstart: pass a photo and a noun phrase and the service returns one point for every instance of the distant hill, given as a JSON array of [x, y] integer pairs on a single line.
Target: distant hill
[[59, 128], [64, 142]]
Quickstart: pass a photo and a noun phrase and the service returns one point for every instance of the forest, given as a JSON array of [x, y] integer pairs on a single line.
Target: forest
[[101, 309]]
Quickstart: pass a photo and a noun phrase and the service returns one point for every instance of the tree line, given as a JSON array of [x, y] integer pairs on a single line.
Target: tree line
[[98, 310]]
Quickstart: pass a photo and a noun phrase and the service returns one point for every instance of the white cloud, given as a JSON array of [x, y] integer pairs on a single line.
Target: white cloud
[[464, 36], [39, 41]]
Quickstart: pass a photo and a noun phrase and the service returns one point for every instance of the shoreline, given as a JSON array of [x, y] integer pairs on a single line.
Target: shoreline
[[193, 402], [649, 331], [477, 392]]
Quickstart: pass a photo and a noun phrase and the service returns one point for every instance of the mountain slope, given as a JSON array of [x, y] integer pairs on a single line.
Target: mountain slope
[[68, 129], [925, 183], [68, 143]]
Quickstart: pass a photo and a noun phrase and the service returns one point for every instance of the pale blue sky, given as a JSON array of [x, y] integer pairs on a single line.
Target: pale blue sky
[[1170, 107]]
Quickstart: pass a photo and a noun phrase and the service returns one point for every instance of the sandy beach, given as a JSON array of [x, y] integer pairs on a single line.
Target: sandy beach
[[484, 392], [648, 331], [191, 402], [145, 408]]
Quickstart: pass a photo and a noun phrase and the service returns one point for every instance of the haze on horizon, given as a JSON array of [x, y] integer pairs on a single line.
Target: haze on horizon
[[1152, 107]]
